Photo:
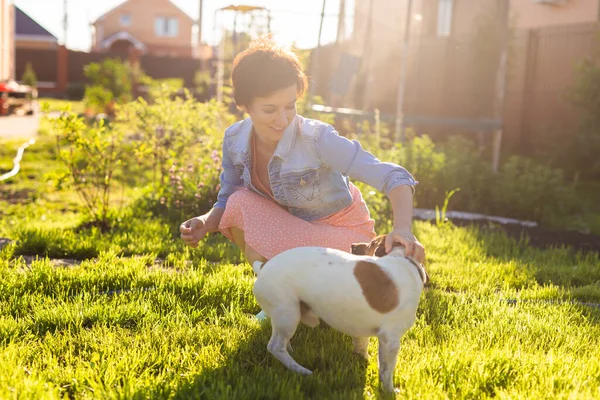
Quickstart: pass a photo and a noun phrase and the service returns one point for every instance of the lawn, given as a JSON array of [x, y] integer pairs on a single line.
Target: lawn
[[134, 314], [55, 105], [127, 327]]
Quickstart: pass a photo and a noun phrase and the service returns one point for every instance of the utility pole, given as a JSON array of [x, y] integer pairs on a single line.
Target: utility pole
[[366, 57], [314, 59], [65, 23], [403, 65], [199, 45], [341, 30], [503, 13]]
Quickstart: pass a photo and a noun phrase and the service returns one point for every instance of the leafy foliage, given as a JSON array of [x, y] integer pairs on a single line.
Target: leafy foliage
[[29, 77], [179, 141], [92, 154], [111, 80]]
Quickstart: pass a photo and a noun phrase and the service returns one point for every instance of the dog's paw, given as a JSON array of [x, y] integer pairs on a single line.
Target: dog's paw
[[301, 370], [363, 354]]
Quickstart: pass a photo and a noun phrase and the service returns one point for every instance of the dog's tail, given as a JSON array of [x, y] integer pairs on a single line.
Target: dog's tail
[[257, 266]]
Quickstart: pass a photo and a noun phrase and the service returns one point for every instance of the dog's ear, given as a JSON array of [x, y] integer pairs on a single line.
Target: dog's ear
[[380, 250], [360, 249]]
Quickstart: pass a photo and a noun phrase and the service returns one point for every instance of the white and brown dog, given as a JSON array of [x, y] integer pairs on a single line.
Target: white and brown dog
[[360, 294]]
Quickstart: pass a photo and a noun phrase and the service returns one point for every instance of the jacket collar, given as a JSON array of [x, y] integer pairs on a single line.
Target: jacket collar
[[284, 147]]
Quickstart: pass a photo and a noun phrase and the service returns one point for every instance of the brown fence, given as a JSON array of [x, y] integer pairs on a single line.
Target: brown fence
[[44, 63], [170, 67], [451, 78], [79, 59], [61, 71]]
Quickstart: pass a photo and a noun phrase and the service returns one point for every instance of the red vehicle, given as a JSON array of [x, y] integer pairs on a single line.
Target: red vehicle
[[15, 97]]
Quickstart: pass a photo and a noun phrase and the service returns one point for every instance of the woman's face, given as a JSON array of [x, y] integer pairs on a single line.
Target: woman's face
[[272, 114]]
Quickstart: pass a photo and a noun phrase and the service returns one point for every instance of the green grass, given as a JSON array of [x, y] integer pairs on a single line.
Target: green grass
[[184, 329], [501, 319], [58, 105]]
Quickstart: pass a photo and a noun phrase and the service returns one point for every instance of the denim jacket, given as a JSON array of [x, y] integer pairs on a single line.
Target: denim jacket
[[309, 169]]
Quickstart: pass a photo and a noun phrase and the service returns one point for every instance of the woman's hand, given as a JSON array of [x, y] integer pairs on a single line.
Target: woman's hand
[[193, 230], [413, 248]]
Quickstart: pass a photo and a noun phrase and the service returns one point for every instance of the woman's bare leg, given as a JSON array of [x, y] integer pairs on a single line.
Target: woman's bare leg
[[251, 254]]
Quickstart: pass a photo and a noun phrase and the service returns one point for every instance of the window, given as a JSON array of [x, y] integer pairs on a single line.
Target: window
[[166, 26], [125, 20], [444, 19]]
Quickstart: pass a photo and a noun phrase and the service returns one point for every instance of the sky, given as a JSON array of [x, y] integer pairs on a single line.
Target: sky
[[294, 22]]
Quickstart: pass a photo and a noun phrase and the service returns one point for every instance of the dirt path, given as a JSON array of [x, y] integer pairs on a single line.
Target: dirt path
[[19, 127]]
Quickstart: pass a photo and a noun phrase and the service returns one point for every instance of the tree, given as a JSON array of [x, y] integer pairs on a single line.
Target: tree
[[29, 78]]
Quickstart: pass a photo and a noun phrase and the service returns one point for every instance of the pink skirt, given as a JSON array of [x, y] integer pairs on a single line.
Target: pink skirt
[[270, 229]]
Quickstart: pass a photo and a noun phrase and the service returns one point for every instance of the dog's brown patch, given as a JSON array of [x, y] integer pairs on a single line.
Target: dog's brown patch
[[378, 288]]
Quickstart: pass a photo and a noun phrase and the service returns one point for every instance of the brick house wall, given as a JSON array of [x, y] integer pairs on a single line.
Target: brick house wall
[[142, 15], [7, 50]]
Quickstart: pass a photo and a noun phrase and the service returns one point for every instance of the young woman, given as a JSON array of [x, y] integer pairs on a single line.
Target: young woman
[[285, 180]]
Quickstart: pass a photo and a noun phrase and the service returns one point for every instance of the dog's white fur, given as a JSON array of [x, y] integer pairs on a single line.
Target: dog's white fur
[[309, 283]]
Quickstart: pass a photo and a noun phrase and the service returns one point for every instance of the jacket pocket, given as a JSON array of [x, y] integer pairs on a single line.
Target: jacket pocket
[[239, 168], [301, 186]]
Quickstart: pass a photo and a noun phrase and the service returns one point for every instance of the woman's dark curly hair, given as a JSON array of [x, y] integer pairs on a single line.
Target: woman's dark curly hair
[[263, 68]]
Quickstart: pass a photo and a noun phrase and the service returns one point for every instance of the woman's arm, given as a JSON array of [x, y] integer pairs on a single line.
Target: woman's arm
[[401, 198], [230, 178], [349, 158], [195, 229]]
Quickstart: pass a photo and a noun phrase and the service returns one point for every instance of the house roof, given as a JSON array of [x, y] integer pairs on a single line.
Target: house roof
[[25, 25], [112, 10]]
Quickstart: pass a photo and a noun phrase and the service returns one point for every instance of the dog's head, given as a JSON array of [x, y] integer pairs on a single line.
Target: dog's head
[[376, 248]]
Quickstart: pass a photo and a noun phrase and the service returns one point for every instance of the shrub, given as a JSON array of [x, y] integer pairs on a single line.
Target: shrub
[[525, 189], [97, 98], [29, 78], [192, 190], [92, 155], [521, 189], [464, 168], [179, 140], [111, 80]]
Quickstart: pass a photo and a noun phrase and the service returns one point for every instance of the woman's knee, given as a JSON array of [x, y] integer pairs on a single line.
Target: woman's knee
[[240, 198]]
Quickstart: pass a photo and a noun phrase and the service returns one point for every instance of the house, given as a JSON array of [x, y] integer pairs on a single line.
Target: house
[[156, 27], [439, 18], [7, 50], [31, 35], [457, 17], [379, 39]]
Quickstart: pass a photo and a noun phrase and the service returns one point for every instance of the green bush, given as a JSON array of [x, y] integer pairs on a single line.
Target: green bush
[[521, 189], [465, 169], [92, 155], [97, 98], [29, 78], [525, 189], [111, 80], [192, 190], [179, 145]]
